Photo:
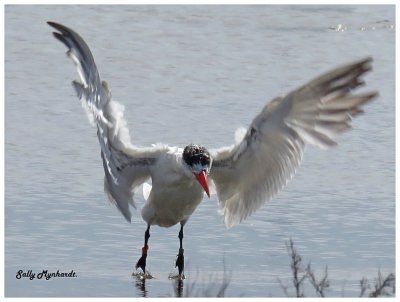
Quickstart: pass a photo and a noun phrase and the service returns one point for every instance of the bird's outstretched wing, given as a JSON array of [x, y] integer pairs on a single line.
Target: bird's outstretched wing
[[250, 173], [125, 165]]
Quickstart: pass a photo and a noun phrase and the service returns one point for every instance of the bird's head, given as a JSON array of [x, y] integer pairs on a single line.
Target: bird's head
[[198, 161]]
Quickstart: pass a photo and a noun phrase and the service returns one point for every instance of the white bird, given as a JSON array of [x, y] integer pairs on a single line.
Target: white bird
[[246, 175]]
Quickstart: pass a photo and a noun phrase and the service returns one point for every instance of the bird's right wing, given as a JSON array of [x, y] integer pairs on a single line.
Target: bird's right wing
[[248, 174], [125, 166]]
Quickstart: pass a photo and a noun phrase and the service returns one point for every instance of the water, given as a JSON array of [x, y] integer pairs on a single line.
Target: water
[[193, 74]]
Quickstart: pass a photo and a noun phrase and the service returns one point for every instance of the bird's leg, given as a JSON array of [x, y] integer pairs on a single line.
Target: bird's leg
[[180, 261], [142, 261]]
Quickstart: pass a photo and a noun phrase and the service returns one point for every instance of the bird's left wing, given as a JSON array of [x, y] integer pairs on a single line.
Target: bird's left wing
[[125, 166], [248, 174]]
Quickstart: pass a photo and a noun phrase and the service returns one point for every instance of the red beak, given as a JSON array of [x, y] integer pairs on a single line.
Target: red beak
[[202, 179]]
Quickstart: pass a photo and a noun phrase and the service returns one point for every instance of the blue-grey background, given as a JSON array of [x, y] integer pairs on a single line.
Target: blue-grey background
[[193, 74]]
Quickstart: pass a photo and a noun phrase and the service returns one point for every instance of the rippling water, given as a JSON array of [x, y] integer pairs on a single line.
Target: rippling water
[[193, 74]]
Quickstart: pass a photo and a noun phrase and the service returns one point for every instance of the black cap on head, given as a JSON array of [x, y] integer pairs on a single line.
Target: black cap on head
[[196, 154]]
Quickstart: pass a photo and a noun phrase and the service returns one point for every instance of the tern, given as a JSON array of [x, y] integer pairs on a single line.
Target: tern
[[245, 175]]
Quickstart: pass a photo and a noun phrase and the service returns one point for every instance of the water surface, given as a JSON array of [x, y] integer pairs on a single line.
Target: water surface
[[193, 74]]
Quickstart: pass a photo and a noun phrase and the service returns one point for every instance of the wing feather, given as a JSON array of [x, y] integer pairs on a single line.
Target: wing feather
[[250, 173], [125, 166]]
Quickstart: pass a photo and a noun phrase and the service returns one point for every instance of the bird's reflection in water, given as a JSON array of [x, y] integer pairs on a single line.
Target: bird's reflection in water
[[140, 284], [178, 288]]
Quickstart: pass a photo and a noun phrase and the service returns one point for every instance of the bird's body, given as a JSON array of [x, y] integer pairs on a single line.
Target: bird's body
[[174, 194], [246, 175]]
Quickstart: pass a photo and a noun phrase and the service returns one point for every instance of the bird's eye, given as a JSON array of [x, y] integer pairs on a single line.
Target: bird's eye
[[204, 160]]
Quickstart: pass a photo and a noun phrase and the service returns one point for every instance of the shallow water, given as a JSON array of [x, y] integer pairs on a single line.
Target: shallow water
[[193, 74]]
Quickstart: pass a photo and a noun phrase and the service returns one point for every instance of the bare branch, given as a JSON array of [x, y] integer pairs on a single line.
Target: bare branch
[[321, 285], [297, 270], [364, 286], [284, 288], [382, 285]]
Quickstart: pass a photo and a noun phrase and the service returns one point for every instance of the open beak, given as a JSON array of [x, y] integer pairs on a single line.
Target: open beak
[[202, 179]]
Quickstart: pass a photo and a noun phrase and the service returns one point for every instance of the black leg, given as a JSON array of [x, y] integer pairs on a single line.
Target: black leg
[[180, 261], [142, 261]]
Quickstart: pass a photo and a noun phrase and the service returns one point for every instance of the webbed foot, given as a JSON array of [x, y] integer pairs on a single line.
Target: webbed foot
[[180, 262], [142, 261]]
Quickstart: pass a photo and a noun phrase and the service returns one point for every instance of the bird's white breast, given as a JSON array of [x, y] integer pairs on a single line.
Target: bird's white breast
[[175, 193]]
